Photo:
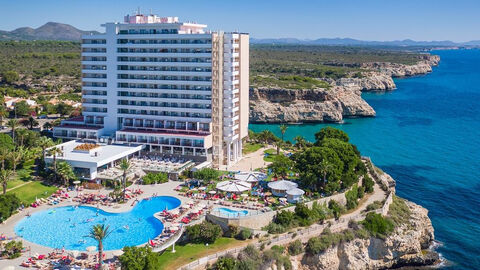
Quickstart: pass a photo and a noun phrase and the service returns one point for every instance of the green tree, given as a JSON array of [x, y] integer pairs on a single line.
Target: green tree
[[325, 167], [65, 172], [139, 258], [332, 133], [99, 233], [22, 108], [280, 166], [283, 129], [54, 151], [64, 109], [224, 263], [125, 167], [30, 122], [44, 143], [16, 156], [309, 165], [10, 76], [5, 176], [21, 133], [3, 112], [206, 174], [13, 124], [300, 142], [352, 197], [9, 203], [368, 183], [203, 233], [377, 225]]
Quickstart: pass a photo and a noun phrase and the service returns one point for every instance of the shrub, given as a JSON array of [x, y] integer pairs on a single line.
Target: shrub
[[336, 208], [275, 228], [12, 249], [206, 174], [244, 234], [368, 183], [155, 178], [361, 192], [399, 211], [295, 247], [352, 197], [377, 225], [10, 76], [9, 203], [374, 206], [285, 218], [224, 263], [139, 258], [233, 230], [204, 232]]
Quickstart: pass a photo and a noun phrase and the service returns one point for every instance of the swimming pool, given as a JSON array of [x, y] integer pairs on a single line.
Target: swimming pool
[[227, 212], [68, 226]]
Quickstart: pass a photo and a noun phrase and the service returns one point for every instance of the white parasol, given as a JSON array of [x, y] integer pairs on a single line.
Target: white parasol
[[234, 186], [91, 248]]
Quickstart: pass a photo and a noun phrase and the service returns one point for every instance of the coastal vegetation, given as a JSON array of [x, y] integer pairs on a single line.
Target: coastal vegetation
[[155, 178], [311, 66]]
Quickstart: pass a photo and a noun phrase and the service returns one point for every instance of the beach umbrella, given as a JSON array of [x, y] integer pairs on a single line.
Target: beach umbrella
[[283, 199], [244, 195], [173, 228], [202, 188], [212, 192], [91, 248], [76, 182]]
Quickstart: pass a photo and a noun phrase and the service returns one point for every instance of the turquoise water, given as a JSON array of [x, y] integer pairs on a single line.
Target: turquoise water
[[426, 136], [227, 212], [68, 226]]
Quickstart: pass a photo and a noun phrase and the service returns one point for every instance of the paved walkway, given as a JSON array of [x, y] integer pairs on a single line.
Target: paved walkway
[[251, 161]]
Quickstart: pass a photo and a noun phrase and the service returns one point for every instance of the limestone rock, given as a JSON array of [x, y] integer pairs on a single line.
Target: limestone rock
[[404, 247]]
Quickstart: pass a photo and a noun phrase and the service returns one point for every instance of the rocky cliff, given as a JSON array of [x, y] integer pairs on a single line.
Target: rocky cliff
[[314, 105], [342, 100], [408, 245]]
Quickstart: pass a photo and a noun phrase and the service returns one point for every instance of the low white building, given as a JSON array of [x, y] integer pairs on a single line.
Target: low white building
[[87, 158]]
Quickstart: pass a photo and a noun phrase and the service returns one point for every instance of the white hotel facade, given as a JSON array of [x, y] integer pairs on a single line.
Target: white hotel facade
[[172, 86]]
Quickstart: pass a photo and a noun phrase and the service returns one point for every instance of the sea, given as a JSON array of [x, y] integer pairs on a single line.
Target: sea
[[426, 135]]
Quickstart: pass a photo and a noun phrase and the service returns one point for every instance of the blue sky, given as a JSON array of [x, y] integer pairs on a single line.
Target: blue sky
[[456, 20]]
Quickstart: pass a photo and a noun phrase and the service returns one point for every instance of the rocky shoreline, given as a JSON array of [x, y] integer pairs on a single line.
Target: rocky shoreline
[[342, 100], [408, 246]]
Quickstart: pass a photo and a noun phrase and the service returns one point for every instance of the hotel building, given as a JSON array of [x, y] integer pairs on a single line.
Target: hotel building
[[172, 86]]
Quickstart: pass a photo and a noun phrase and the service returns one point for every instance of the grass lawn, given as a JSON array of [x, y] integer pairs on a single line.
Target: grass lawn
[[272, 153], [30, 191], [22, 175], [251, 147], [191, 252]]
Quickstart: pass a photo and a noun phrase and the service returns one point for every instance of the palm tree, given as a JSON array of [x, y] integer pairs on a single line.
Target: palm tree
[[21, 134], [4, 155], [125, 166], [325, 168], [47, 125], [3, 113], [13, 124], [54, 151], [4, 178], [300, 141], [44, 143], [65, 172], [99, 233], [16, 156], [31, 122], [283, 129]]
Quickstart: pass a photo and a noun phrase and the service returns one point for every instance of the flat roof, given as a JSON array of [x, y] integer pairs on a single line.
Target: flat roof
[[106, 153]]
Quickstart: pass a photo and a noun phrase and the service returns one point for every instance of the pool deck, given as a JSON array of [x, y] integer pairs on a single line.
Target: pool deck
[[7, 228]]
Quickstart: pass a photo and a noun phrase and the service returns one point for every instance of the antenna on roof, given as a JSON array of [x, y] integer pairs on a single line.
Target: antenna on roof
[[151, 13], [138, 10]]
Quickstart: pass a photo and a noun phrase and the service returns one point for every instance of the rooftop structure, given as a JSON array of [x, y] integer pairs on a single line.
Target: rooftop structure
[[86, 158], [170, 85]]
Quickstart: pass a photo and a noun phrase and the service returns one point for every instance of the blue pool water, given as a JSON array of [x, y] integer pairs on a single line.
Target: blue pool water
[[227, 212], [426, 135], [68, 226]]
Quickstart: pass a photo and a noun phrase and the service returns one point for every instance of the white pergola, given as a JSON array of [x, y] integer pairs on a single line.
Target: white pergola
[[234, 186], [251, 177]]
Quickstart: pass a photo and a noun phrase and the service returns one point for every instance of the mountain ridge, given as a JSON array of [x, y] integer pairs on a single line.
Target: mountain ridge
[[48, 31]]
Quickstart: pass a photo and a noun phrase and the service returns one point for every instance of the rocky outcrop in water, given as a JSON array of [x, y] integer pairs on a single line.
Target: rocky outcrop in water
[[408, 245], [342, 100], [314, 105]]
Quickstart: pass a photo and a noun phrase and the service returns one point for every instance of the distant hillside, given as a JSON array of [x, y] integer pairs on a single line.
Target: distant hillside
[[356, 42], [48, 31]]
